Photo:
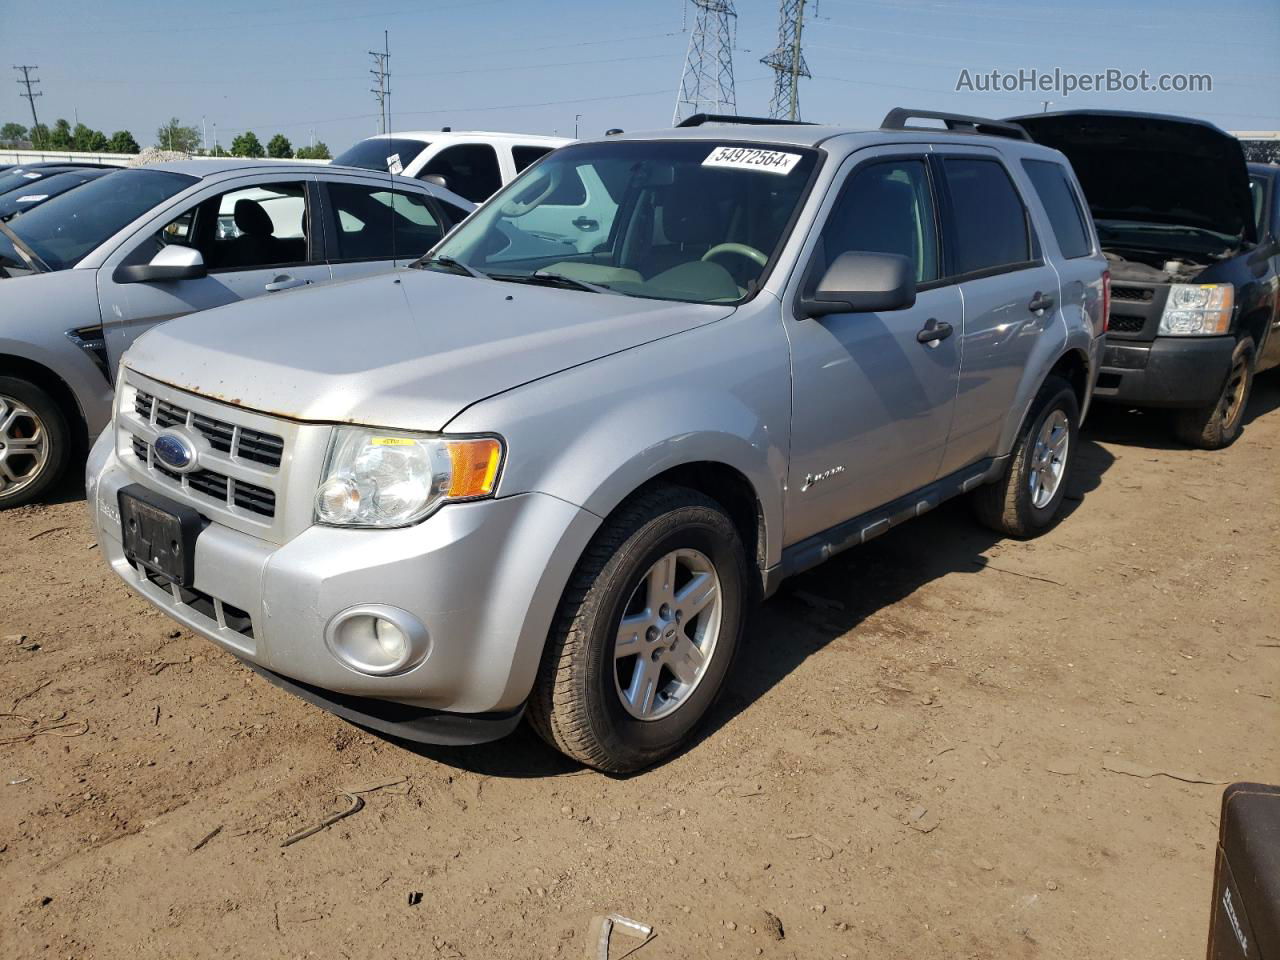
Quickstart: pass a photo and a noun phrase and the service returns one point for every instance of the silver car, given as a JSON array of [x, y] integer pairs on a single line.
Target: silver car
[[83, 274], [529, 477]]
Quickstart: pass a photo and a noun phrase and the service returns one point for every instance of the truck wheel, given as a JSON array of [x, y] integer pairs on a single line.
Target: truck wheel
[[645, 633], [34, 442], [1217, 425], [1026, 501]]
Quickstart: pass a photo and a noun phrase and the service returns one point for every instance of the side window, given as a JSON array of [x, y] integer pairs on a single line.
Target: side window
[[374, 223], [1060, 203], [455, 213], [469, 170], [885, 207], [523, 156], [989, 222], [244, 229]]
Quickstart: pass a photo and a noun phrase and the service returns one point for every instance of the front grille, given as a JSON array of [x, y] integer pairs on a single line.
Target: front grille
[[1134, 294], [1126, 324], [211, 608], [236, 442], [211, 484]]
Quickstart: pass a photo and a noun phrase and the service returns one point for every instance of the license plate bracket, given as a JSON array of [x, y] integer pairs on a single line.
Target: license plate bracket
[[159, 533]]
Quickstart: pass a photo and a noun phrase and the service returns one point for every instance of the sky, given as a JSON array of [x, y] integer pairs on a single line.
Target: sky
[[539, 66]]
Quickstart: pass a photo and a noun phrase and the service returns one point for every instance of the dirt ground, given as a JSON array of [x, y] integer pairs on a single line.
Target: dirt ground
[[939, 745]]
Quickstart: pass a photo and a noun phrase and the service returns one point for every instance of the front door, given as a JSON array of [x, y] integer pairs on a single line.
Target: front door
[[872, 404], [255, 238]]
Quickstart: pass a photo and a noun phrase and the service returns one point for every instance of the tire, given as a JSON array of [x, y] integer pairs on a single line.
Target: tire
[[1217, 425], [1010, 505], [35, 442], [589, 700]]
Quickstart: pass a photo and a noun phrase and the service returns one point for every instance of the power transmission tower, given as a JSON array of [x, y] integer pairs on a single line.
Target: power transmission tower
[[27, 81], [787, 62], [382, 73], [706, 84]]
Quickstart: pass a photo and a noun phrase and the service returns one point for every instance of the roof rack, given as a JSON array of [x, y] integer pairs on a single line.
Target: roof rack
[[896, 119], [698, 119]]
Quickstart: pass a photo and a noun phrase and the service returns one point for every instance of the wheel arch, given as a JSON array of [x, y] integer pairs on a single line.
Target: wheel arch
[[24, 368]]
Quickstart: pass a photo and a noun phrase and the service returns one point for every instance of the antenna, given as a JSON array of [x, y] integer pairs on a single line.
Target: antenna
[[706, 83], [27, 80], [787, 61]]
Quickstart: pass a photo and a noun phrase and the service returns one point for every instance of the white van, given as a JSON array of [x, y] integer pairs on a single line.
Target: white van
[[473, 164]]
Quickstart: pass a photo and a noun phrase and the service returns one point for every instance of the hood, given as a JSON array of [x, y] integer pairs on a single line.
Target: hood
[[407, 350], [1153, 168]]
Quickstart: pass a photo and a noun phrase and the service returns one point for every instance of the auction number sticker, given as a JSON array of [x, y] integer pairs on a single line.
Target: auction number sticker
[[750, 158]]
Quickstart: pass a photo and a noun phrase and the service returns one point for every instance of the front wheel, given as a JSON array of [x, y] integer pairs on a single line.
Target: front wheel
[[645, 634], [34, 442], [1027, 500], [1218, 424]]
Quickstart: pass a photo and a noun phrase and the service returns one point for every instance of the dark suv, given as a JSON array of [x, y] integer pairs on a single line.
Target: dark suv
[[1193, 266]]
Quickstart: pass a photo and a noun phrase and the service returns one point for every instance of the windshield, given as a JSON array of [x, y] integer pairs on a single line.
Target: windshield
[[38, 191], [66, 228], [673, 220], [18, 177], [376, 153]]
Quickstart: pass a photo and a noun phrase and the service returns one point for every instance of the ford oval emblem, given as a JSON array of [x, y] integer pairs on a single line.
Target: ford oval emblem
[[176, 452]]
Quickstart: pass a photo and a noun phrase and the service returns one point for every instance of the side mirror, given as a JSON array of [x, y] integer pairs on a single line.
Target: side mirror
[[174, 262], [436, 179], [858, 282]]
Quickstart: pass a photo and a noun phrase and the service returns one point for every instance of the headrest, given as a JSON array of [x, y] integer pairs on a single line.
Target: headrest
[[252, 219]]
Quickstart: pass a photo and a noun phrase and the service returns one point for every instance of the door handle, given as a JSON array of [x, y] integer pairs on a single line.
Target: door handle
[[586, 223], [285, 282], [1040, 302], [934, 332]]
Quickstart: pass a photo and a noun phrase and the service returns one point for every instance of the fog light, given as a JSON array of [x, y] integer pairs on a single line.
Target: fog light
[[377, 640]]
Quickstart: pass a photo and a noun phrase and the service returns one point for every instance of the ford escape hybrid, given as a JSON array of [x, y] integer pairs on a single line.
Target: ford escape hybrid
[[527, 478]]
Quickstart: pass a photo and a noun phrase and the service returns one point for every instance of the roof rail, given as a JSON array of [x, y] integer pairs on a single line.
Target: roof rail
[[896, 119], [698, 119]]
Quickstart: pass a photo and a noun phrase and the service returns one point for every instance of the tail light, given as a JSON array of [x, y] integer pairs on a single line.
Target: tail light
[[1106, 300]]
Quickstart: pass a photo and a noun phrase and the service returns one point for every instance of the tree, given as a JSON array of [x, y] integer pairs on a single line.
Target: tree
[[246, 145], [279, 147], [319, 152], [87, 140], [122, 142], [13, 131], [40, 135], [60, 137], [174, 136]]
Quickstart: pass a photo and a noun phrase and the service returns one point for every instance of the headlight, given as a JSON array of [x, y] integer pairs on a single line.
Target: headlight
[[1197, 310], [376, 478]]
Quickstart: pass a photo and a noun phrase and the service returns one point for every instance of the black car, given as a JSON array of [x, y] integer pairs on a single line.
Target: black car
[[1194, 271]]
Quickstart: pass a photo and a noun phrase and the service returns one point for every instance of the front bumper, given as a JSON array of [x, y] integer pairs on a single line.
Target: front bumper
[[1166, 372], [484, 578]]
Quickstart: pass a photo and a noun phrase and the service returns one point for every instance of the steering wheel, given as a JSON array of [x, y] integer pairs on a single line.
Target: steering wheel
[[514, 209], [741, 249]]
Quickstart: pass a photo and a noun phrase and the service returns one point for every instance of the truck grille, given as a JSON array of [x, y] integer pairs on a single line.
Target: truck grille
[[1126, 324], [1133, 294], [211, 484], [254, 445]]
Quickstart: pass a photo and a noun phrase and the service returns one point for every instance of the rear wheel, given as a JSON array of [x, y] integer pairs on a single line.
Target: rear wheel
[[34, 442], [1028, 498], [645, 634], [1217, 425]]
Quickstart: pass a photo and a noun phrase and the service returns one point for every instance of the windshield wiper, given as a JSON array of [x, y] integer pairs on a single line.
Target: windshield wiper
[[561, 280], [457, 266], [24, 250]]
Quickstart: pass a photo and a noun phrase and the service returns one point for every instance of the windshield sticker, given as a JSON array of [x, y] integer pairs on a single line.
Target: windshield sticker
[[394, 166], [749, 158], [32, 175], [32, 198]]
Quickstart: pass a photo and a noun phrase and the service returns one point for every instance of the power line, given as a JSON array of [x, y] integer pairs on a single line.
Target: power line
[[706, 83], [382, 73], [787, 62], [30, 96]]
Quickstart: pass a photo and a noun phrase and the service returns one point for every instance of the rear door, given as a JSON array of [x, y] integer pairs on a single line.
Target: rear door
[[256, 235], [372, 227], [1011, 294]]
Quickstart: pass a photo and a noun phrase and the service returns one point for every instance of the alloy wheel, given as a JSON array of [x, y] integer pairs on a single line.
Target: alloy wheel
[[24, 445], [1049, 459]]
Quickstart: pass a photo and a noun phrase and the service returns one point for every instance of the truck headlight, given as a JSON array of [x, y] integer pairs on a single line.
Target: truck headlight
[[377, 478], [1197, 309]]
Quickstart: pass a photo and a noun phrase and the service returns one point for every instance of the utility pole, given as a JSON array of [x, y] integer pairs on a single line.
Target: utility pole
[[382, 73], [706, 83], [576, 118], [27, 80], [1045, 105], [787, 61]]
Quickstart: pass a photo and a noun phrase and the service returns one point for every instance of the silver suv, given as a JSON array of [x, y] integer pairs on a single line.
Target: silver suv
[[529, 478]]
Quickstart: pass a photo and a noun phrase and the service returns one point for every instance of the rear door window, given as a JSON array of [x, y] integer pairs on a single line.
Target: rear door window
[[988, 224], [469, 169], [375, 223], [1061, 204]]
